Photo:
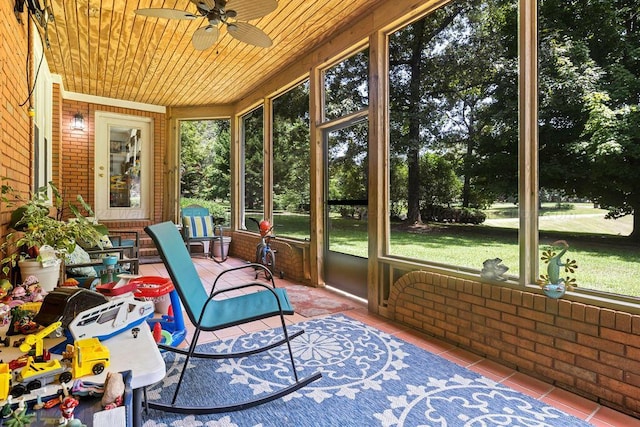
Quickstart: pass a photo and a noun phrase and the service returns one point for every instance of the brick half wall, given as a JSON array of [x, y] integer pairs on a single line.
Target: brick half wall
[[588, 350], [289, 254]]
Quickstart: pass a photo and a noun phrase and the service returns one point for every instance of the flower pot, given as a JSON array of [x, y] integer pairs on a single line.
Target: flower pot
[[221, 252], [47, 276]]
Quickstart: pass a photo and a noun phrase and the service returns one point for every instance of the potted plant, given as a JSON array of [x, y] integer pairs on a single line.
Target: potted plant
[[40, 239]]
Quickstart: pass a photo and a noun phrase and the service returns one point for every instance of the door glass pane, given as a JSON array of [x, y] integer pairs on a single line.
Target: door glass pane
[[125, 146], [348, 166]]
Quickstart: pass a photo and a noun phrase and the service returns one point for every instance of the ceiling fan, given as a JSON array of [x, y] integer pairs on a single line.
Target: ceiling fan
[[221, 11]]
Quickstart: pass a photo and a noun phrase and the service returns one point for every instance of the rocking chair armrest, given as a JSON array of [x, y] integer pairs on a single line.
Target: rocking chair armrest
[[235, 288], [251, 265]]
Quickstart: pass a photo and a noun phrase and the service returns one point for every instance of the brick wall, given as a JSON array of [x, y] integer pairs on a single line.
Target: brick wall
[[15, 123], [289, 255], [589, 350]]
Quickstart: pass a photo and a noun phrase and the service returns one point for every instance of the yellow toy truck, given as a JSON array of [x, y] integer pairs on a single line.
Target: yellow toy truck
[[86, 357], [90, 357]]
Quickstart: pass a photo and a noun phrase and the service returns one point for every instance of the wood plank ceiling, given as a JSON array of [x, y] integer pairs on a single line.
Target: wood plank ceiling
[[102, 48]]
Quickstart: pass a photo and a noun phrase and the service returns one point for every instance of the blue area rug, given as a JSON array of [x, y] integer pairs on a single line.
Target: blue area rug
[[370, 378]]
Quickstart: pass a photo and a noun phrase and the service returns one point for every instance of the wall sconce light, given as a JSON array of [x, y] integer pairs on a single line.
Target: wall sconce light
[[78, 121]]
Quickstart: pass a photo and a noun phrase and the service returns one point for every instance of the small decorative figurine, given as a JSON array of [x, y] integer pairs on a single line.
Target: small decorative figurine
[[67, 407], [552, 284], [493, 269]]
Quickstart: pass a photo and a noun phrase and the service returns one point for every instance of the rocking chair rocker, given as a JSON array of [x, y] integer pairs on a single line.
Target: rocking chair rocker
[[210, 314]]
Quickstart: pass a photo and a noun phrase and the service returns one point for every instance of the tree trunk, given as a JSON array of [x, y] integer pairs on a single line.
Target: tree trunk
[[413, 154], [413, 192], [635, 233]]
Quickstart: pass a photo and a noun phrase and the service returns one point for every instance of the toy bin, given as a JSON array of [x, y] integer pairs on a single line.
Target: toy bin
[[156, 289], [167, 303]]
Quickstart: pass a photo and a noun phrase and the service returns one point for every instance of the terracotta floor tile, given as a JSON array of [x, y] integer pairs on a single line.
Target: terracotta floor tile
[[430, 344], [461, 357], [579, 406], [606, 417], [492, 370], [528, 385]]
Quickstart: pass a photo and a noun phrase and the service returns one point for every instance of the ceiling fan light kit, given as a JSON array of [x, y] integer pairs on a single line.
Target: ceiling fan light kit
[[219, 12]]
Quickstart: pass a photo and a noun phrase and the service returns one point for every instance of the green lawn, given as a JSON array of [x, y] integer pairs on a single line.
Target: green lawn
[[606, 260]]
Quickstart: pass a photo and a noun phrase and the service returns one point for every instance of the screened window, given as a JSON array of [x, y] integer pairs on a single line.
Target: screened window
[[346, 87], [291, 163], [454, 136], [205, 166], [253, 163], [589, 92]]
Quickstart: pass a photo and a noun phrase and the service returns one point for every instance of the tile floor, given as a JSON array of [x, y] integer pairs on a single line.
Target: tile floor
[[578, 406]]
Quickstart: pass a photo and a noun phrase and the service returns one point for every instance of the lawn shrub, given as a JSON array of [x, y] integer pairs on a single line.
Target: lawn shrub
[[437, 213]]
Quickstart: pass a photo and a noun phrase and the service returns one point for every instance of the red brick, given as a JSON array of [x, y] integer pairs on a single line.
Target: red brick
[[599, 367], [575, 371], [538, 316], [623, 322], [617, 336], [574, 348], [554, 331], [600, 344], [555, 353], [607, 318]]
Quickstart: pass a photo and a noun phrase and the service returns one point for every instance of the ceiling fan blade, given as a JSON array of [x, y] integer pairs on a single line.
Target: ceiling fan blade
[[247, 10], [249, 34], [205, 37], [204, 4], [165, 13]]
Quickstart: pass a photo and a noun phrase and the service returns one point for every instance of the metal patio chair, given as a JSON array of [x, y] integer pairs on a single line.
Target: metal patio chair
[[210, 314]]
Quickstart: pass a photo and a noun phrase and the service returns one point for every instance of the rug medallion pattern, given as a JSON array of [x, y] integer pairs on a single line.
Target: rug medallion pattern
[[369, 378]]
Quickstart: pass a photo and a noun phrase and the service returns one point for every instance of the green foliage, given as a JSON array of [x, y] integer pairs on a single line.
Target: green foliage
[[253, 132], [446, 214], [345, 86], [291, 150], [454, 91], [205, 159], [439, 183], [613, 148], [34, 227]]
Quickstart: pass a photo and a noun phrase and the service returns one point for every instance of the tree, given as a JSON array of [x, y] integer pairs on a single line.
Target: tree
[[440, 185], [219, 171], [597, 80], [253, 132], [613, 149], [443, 79], [205, 159], [291, 150]]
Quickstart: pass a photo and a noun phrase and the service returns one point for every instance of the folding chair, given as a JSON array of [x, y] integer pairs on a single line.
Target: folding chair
[[210, 314], [198, 227]]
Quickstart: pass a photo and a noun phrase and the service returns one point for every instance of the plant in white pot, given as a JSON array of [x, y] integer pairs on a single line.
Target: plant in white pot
[[41, 240]]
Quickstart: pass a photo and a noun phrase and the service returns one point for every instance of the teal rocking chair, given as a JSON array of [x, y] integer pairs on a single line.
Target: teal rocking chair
[[210, 314]]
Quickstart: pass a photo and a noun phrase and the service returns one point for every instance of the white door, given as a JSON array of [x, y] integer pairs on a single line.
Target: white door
[[123, 167]]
